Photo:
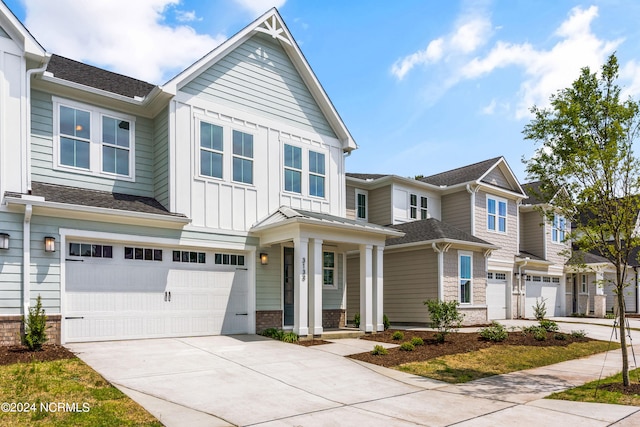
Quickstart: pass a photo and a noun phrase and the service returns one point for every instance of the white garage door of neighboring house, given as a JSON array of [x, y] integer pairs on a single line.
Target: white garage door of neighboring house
[[496, 296], [629, 297], [537, 287], [153, 293]]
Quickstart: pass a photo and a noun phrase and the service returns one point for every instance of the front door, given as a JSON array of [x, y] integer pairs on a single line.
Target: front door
[[574, 294], [288, 287]]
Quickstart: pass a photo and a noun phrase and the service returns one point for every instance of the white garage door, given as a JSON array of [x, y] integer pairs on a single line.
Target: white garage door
[[142, 292], [538, 287], [496, 296], [629, 297]]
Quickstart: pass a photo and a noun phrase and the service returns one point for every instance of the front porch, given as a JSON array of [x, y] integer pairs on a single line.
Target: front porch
[[309, 250]]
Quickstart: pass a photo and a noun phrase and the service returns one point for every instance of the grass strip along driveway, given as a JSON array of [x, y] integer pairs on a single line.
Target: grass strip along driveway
[[62, 392]]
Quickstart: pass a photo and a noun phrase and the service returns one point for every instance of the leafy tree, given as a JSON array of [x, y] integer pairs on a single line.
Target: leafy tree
[[585, 143], [444, 316]]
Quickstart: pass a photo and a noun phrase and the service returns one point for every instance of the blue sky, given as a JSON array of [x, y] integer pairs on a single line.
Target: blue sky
[[423, 86]]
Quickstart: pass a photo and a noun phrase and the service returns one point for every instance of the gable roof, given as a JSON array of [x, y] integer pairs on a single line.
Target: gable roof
[[532, 189], [88, 75], [366, 176], [30, 45], [272, 24], [428, 230]]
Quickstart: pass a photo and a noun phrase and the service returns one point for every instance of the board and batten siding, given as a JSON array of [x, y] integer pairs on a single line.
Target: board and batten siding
[[456, 210], [161, 157], [42, 158], [11, 264], [410, 278], [259, 77]]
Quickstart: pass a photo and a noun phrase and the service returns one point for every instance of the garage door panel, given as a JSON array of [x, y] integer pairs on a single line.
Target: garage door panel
[[536, 291], [109, 300], [497, 300]]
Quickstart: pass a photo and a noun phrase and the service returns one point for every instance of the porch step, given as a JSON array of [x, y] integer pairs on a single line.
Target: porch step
[[334, 334]]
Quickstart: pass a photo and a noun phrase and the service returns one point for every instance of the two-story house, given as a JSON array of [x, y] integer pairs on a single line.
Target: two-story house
[[461, 238], [212, 204]]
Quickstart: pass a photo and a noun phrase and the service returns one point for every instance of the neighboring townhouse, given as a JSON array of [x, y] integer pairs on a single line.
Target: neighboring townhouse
[[544, 251], [461, 241], [213, 204]]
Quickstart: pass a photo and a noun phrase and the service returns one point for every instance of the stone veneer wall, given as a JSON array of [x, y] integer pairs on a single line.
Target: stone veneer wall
[[331, 319], [11, 330], [473, 315]]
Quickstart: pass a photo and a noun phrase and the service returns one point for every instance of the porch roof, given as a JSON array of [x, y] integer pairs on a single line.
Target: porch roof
[[433, 230]]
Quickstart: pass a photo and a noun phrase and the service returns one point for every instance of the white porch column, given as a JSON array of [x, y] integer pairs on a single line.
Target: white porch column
[[300, 287], [599, 299], [599, 283], [366, 285], [315, 286], [378, 288]]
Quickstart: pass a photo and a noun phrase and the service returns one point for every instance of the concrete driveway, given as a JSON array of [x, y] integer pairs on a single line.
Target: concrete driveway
[[251, 380]]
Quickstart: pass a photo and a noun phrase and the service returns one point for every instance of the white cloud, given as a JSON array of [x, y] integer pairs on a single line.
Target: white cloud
[[258, 7], [187, 16], [491, 108], [129, 37], [470, 32], [631, 73]]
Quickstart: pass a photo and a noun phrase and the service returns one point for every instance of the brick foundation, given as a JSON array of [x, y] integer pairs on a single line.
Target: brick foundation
[[266, 319], [333, 319], [11, 329]]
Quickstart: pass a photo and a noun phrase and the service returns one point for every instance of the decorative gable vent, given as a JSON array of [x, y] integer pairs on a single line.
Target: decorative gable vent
[[273, 27]]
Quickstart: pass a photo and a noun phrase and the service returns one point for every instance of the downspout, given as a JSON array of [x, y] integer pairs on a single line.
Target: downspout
[[473, 191], [28, 118], [26, 259], [520, 303]]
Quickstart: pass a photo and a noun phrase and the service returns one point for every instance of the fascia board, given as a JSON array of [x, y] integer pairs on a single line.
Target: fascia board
[[459, 244]]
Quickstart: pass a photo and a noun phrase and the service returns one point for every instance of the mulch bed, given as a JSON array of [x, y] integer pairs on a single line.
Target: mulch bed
[[634, 388], [455, 343], [21, 354], [309, 343]]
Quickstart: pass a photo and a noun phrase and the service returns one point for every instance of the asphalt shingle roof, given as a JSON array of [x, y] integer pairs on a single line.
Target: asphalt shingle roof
[[88, 75], [100, 199], [532, 189], [366, 176], [460, 175], [431, 229]]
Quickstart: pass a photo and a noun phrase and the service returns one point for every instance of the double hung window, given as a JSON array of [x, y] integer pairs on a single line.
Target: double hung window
[[497, 215], [242, 157], [465, 265], [558, 229], [316, 174], [211, 150], [292, 168]]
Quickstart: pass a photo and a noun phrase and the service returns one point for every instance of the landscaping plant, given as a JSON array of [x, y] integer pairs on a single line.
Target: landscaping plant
[[496, 332], [398, 335], [444, 317], [548, 325], [416, 341], [407, 346], [35, 327], [379, 350], [540, 308], [356, 320], [385, 322]]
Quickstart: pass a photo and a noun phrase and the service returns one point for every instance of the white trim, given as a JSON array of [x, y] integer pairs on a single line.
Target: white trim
[[497, 200], [364, 193], [470, 255], [334, 285]]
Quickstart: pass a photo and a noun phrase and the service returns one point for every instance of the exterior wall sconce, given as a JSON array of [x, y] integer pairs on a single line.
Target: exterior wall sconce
[[49, 244], [264, 258], [4, 241]]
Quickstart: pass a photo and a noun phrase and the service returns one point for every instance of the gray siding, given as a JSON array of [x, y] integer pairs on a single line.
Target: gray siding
[[42, 155], [410, 278], [456, 210], [353, 287], [497, 178], [161, 158], [507, 242], [532, 233], [351, 202], [332, 298], [268, 280], [258, 77], [380, 206]]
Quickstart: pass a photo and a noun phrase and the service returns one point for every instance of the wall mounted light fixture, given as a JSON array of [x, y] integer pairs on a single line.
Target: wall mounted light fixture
[[49, 244], [264, 258], [4, 241]]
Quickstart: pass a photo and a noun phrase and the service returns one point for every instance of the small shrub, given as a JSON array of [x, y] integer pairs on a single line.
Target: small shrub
[[356, 320], [610, 316], [496, 332], [540, 308], [560, 337], [407, 346], [274, 333], [580, 333], [540, 334], [35, 327], [398, 335], [289, 337], [416, 341], [385, 322], [379, 350], [549, 325], [444, 317]]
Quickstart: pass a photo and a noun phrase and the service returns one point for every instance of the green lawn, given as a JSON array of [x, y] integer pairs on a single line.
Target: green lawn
[[591, 393], [463, 367], [65, 393]]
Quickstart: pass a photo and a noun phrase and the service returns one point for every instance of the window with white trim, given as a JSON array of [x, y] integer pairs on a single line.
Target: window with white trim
[[242, 157], [361, 205], [558, 229], [413, 206], [583, 284], [424, 204], [316, 174], [328, 270], [496, 214], [465, 263], [292, 168], [91, 140], [555, 280], [211, 149]]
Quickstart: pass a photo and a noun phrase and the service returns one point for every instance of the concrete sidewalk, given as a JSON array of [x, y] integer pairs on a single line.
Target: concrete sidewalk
[[250, 380]]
